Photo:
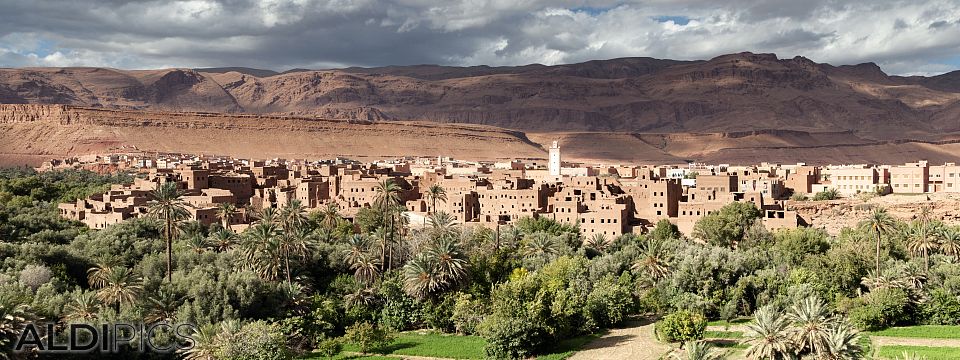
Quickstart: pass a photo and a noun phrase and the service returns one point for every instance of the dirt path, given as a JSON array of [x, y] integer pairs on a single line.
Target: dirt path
[[636, 341], [735, 327], [879, 341]]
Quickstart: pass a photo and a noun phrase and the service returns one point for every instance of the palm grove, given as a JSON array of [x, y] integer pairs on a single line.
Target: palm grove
[[298, 281]]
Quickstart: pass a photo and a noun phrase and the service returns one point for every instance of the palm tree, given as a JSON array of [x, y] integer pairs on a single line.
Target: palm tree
[[842, 342], [880, 222], [198, 243], [420, 276], [811, 320], [13, 316], [83, 307], [168, 206], [292, 215], [386, 199], [769, 335], [225, 213], [436, 192], [359, 245], [366, 269], [116, 285], [598, 242], [698, 350], [442, 225], [950, 241], [205, 345], [654, 259], [223, 240], [297, 242], [920, 242], [541, 245], [267, 215], [451, 263], [331, 216], [161, 307], [260, 249]]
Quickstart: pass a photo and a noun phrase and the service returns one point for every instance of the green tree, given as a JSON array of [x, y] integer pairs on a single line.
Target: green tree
[[168, 206], [921, 241], [435, 192], [116, 285], [386, 200], [368, 337], [880, 223], [681, 326], [727, 226], [225, 213]]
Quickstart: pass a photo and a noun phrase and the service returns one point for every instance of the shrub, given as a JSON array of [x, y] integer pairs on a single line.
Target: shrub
[[35, 275], [368, 337], [468, 313], [329, 347], [681, 326], [942, 309], [799, 197], [879, 309], [258, 340], [827, 194], [609, 302], [439, 315], [511, 337]]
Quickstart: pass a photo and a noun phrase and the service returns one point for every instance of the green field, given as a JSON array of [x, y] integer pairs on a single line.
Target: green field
[[923, 331], [722, 334], [452, 347], [738, 321], [931, 353], [433, 345], [567, 347]]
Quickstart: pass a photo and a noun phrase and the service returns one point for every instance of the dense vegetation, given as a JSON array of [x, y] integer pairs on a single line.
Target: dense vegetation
[[299, 281]]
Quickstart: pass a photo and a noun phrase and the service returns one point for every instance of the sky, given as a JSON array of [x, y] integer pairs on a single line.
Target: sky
[[920, 37]]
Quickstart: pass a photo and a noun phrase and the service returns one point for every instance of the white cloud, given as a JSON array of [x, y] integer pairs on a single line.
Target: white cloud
[[904, 37]]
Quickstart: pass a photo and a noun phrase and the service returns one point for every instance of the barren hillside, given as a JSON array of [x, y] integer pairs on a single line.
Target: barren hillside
[[32, 133]]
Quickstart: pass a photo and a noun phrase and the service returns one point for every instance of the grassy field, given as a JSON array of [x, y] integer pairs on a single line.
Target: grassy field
[[433, 345], [722, 334], [451, 347], [923, 331], [566, 348], [738, 321], [931, 353]]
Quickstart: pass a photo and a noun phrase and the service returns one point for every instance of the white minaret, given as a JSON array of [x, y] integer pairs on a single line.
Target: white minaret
[[554, 165]]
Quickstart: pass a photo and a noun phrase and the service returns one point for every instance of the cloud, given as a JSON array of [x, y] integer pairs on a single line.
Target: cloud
[[904, 37]]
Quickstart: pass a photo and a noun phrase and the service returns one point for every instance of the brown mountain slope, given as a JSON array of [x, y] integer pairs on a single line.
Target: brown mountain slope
[[736, 92], [30, 134]]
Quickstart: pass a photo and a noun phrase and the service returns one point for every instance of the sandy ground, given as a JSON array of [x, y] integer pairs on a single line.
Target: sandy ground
[[635, 341]]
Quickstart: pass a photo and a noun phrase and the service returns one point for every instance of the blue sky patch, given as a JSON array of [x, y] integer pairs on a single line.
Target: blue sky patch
[[677, 19]]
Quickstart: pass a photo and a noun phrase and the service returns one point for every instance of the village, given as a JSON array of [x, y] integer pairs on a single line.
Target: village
[[608, 200]]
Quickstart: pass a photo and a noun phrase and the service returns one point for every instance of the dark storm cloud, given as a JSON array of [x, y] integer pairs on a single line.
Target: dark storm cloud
[[903, 36]]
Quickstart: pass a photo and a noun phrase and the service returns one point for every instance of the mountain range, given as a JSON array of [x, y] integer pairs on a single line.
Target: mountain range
[[796, 102]]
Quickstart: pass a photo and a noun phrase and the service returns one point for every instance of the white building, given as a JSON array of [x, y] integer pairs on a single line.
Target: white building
[[554, 165]]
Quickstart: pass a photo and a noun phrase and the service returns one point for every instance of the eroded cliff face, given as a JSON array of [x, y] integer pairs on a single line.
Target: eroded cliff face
[[730, 93]]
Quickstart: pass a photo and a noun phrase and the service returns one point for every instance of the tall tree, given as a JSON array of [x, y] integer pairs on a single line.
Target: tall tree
[[386, 199], [168, 206], [880, 223], [436, 192], [225, 213], [260, 250], [950, 241], [920, 241], [812, 321], [297, 242], [655, 258]]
